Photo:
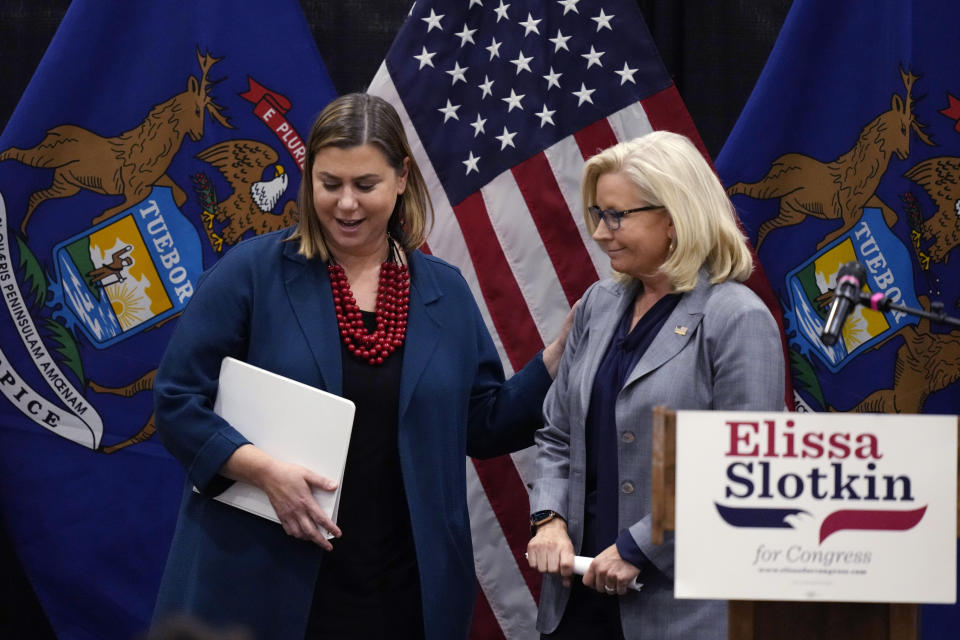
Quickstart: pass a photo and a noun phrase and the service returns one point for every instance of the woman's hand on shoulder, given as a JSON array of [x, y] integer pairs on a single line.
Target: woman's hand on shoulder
[[609, 573], [290, 490], [554, 351], [551, 551]]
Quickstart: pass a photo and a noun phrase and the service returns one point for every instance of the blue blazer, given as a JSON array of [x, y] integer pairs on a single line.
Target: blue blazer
[[265, 304], [719, 349]]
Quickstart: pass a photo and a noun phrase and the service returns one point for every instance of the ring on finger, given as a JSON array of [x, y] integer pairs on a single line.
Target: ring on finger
[[609, 589]]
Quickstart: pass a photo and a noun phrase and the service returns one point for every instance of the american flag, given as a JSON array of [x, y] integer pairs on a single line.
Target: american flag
[[503, 102]]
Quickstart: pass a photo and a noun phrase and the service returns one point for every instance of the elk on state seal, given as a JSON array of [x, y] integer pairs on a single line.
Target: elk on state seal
[[130, 164]]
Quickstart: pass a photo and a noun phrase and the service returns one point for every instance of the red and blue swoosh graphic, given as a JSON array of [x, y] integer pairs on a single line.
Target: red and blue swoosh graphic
[[844, 519]]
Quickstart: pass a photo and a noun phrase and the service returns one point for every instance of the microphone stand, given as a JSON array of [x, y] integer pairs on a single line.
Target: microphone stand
[[879, 302]]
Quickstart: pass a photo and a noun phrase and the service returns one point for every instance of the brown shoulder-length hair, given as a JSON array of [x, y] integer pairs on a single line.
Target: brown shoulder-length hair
[[353, 120]]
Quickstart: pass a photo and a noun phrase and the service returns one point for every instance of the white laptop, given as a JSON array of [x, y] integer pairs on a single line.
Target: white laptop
[[289, 420]]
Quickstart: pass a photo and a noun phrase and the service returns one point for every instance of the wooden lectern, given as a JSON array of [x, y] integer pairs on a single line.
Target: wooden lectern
[[760, 619]]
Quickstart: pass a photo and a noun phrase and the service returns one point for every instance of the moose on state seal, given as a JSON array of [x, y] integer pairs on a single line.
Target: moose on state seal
[[926, 363]]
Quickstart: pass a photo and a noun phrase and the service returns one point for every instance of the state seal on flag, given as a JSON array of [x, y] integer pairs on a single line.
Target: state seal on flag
[[128, 273], [809, 289]]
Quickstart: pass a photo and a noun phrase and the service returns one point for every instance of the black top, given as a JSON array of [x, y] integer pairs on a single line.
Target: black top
[[368, 586]]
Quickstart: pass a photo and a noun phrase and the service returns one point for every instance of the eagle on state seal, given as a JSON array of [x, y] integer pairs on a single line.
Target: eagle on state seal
[[251, 205]]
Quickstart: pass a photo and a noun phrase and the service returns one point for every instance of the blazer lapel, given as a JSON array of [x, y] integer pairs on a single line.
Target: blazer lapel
[[423, 327], [675, 333], [609, 312], [308, 287]]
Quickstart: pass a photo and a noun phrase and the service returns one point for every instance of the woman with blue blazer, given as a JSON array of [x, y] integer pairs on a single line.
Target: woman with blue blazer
[[346, 303], [674, 327]]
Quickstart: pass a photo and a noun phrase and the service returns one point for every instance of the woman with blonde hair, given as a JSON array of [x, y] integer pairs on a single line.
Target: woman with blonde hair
[[674, 326]]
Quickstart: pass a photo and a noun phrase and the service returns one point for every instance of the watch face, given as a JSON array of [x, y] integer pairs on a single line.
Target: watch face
[[539, 518], [542, 516]]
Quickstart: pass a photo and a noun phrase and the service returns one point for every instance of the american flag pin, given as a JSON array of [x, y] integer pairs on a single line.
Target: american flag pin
[[680, 331]]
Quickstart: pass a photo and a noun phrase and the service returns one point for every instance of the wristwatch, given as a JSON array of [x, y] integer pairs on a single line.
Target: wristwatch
[[542, 517]]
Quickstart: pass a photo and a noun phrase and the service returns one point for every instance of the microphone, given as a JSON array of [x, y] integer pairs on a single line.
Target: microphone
[[876, 301], [850, 279]]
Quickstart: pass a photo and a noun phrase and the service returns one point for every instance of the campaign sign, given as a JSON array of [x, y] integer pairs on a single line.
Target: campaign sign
[[816, 506]]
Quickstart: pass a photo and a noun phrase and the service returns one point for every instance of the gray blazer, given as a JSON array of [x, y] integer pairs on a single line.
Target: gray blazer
[[719, 349]]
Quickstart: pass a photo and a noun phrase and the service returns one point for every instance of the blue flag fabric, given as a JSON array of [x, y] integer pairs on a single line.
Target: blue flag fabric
[[849, 149], [152, 138], [501, 67]]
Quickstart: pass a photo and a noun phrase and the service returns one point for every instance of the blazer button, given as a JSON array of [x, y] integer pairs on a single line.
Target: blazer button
[[627, 487], [627, 436]]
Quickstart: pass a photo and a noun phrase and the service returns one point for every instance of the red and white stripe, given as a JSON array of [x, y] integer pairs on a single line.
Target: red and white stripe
[[523, 248]]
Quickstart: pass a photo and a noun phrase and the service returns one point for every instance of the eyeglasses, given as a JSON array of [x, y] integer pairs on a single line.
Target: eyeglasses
[[611, 217]]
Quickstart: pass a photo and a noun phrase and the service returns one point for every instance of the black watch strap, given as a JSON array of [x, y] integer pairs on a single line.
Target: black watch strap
[[541, 517]]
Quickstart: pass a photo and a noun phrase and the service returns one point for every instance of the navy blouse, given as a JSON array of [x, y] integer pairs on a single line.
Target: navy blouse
[[625, 350]]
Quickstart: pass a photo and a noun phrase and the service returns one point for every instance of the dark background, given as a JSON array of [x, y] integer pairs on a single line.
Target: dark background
[[713, 49]]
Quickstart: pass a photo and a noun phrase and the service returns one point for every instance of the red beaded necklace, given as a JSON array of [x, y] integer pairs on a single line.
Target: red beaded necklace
[[393, 303]]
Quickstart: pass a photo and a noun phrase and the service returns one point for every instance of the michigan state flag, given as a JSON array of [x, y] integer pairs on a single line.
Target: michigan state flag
[[152, 138], [849, 150]]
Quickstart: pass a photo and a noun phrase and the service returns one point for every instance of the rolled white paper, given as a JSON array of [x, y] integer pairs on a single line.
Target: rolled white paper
[[582, 563]]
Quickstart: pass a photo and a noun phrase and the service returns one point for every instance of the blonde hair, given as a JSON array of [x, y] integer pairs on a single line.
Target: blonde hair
[[668, 170], [353, 120]]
